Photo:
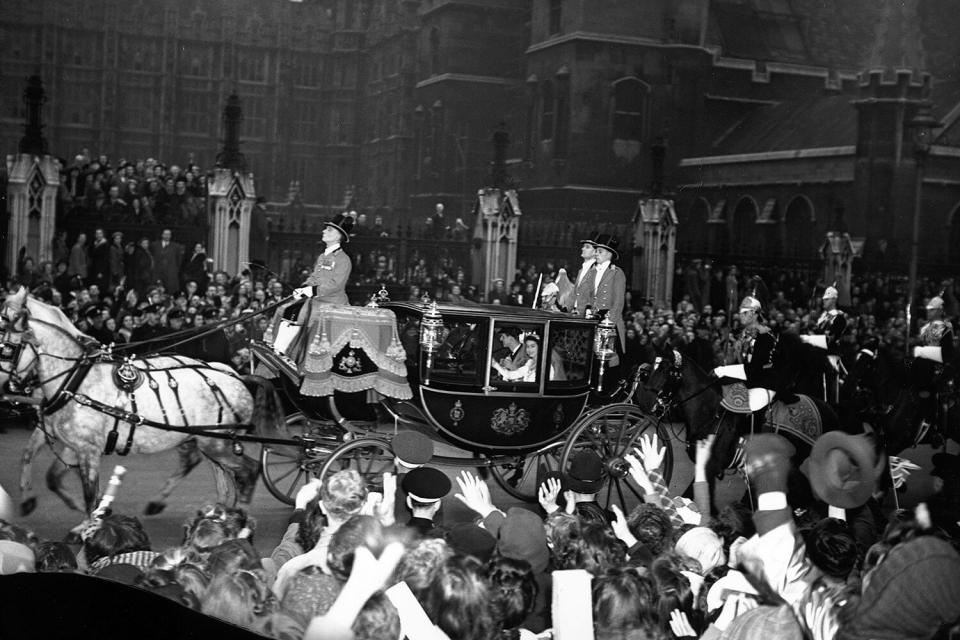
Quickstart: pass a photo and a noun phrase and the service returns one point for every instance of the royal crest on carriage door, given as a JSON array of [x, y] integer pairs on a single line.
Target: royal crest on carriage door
[[510, 420]]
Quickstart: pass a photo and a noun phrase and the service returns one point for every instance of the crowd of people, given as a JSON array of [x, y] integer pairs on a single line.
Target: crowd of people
[[143, 191], [384, 565]]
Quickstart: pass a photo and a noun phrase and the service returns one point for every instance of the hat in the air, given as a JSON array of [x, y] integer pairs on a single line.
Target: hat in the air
[[586, 473], [343, 223], [426, 484]]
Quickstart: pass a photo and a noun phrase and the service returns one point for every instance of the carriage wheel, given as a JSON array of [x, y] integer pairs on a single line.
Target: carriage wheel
[[370, 457], [518, 476], [613, 432], [286, 468]]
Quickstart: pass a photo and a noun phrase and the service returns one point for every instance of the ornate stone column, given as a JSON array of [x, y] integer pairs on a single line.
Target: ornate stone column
[[33, 181], [655, 233], [495, 236]]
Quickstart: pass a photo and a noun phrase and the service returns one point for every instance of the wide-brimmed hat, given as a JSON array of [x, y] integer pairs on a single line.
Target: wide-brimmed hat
[[844, 469], [343, 223], [586, 473], [607, 241]]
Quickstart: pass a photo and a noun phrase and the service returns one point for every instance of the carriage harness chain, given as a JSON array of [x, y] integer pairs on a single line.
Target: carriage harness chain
[[128, 378]]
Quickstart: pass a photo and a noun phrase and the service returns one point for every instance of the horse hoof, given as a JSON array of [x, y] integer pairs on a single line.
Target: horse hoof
[[153, 508], [27, 506]]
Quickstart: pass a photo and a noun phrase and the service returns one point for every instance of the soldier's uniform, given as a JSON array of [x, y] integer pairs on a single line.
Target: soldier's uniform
[[754, 359], [832, 324], [932, 364]]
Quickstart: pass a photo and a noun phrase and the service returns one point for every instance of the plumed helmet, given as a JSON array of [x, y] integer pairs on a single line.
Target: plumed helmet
[[750, 303], [831, 292], [936, 302]]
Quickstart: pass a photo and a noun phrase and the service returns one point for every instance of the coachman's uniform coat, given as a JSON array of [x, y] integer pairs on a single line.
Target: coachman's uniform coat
[[609, 296], [329, 282]]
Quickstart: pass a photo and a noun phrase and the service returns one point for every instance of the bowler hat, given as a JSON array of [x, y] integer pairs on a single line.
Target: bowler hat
[[343, 223], [844, 469], [586, 473], [608, 242]]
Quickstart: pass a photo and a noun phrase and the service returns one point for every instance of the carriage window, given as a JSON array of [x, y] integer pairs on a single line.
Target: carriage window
[[516, 355], [462, 342], [570, 354]]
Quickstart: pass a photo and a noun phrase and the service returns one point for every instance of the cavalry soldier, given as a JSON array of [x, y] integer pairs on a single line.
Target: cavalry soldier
[[832, 324], [754, 356], [933, 358]]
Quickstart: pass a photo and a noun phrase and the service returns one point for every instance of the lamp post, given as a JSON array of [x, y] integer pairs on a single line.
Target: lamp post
[[921, 126]]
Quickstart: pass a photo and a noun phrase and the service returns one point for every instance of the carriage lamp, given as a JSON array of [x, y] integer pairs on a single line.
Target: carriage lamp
[[431, 326], [603, 347]]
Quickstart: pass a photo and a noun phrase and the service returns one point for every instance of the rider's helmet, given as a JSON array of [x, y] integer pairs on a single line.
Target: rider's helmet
[[935, 303], [750, 304], [831, 292]]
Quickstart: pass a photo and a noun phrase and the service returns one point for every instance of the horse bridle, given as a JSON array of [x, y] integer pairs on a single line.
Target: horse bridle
[[665, 393]]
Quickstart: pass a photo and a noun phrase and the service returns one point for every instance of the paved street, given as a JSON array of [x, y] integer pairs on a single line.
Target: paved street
[[147, 473]]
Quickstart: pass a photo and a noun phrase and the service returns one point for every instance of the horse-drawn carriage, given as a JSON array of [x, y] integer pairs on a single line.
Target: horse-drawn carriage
[[517, 427], [430, 368]]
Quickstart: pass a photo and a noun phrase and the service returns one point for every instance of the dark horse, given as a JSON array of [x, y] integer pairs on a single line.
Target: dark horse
[[888, 392], [682, 384]]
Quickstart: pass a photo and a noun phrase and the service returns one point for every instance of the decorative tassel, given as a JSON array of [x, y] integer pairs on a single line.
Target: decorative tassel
[[396, 350], [356, 341], [321, 343]]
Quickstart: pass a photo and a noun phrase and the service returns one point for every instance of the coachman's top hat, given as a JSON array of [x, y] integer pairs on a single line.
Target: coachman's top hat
[[343, 223], [607, 241]]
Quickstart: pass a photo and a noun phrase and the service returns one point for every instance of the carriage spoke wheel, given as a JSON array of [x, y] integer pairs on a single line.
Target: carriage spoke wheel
[[519, 475], [286, 468], [370, 457], [613, 432]]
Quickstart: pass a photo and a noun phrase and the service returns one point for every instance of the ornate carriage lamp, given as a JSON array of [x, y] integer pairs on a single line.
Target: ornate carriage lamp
[[431, 326], [603, 346]]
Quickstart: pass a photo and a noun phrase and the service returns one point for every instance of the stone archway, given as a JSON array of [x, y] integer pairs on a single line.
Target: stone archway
[[743, 227], [799, 232]]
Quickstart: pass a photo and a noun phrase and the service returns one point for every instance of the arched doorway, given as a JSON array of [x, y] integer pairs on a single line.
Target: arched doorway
[[743, 228], [692, 231], [799, 231]]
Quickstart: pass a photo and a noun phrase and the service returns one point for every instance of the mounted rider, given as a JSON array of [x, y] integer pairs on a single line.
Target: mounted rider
[[828, 334], [753, 360], [933, 362]]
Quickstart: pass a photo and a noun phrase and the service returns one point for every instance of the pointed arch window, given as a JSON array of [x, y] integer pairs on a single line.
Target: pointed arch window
[[629, 110], [547, 112]]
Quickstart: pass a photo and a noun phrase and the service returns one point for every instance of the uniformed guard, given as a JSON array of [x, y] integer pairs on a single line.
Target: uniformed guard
[[411, 450], [754, 355], [832, 324], [932, 366], [425, 487]]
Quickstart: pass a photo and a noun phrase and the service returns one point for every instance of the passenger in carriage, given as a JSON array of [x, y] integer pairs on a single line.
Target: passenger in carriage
[[528, 371], [326, 285], [511, 356]]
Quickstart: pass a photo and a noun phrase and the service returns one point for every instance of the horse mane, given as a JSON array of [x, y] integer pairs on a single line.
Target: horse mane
[[53, 315]]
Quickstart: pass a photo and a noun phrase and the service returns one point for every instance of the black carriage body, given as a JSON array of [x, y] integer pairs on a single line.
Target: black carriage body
[[464, 399]]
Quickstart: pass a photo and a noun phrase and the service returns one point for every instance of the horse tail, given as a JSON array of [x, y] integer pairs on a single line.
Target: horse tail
[[267, 418]]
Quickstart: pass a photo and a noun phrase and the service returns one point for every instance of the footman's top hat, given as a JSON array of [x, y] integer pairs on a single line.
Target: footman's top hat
[[608, 242], [343, 223]]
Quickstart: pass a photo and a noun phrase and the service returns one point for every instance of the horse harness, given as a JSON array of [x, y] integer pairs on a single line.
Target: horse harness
[[128, 375]]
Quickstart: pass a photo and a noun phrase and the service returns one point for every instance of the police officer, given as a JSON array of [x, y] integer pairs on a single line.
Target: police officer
[[148, 330], [425, 487]]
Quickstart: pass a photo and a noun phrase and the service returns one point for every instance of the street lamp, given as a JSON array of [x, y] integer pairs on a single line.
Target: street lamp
[[921, 126]]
